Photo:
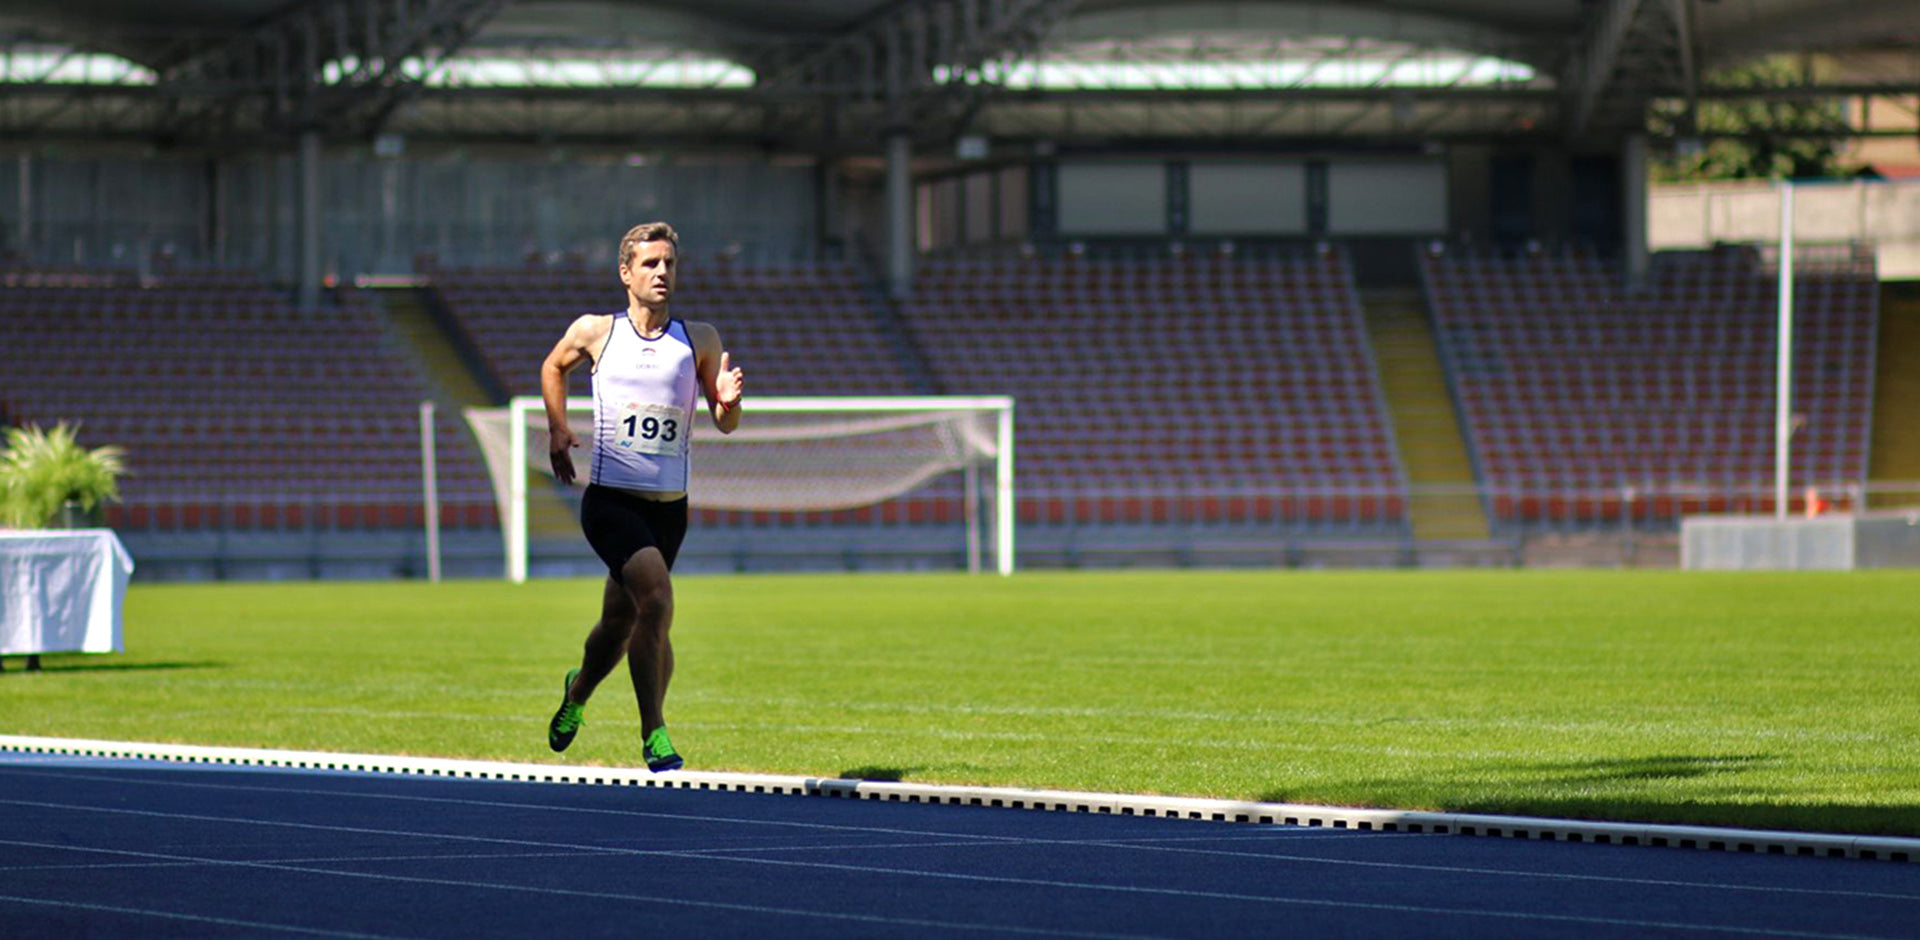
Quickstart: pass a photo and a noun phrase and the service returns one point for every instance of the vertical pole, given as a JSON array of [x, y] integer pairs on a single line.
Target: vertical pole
[[1783, 381], [217, 213], [1003, 505], [392, 257], [1317, 196], [309, 224], [430, 479], [826, 206], [1176, 202], [26, 205], [1633, 173], [518, 413], [899, 215], [972, 509]]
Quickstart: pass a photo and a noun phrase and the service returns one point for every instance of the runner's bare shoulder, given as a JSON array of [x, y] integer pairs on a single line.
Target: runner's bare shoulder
[[589, 333]]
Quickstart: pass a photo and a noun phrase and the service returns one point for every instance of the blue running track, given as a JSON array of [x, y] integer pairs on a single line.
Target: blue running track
[[118, 848]]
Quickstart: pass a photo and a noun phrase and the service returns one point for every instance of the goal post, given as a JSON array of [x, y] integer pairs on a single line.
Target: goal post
[[790, 454]]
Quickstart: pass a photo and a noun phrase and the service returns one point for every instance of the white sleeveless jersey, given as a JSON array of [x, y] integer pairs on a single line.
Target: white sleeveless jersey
[[643, 398]]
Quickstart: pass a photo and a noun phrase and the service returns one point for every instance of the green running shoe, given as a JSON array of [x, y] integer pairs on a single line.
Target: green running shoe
[[661, 756], [567, 721]]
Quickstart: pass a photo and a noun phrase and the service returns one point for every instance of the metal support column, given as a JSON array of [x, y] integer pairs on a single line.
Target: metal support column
[[309, 224], [1633, 222], [218, 208], [24, 243], [899, 215]]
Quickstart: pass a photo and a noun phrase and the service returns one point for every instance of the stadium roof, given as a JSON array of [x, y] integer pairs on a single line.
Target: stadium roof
[[837, 73], [150, 32]]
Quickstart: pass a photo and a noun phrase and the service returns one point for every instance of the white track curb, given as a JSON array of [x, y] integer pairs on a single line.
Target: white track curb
[[1833, 845]]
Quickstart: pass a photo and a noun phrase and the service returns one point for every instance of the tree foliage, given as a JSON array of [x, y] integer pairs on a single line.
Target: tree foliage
[[1759, 141]]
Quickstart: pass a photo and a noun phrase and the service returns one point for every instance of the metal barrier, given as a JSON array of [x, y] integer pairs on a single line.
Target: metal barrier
[[1168, 525]]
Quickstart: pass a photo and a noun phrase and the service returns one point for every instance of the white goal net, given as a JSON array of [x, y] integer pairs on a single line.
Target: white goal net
[[788, 455]]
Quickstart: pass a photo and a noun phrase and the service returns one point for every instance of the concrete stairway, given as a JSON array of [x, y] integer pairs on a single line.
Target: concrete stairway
[[456, 386], [1895, 455], [413, 322], [1424, 425]]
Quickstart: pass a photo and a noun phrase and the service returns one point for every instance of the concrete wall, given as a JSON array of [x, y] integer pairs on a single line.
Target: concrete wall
[[1887, 214], [1824, 543], [121, 208]]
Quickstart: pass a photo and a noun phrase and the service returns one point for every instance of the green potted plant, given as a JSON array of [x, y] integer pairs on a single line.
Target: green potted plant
[[46, 476]]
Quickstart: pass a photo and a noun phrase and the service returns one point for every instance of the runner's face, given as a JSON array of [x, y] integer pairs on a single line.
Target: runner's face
[[649, 273]]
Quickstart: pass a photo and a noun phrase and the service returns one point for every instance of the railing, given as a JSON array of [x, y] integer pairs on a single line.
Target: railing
[[1357, 510], [1660, 507], [1122, 249], [271, 514]]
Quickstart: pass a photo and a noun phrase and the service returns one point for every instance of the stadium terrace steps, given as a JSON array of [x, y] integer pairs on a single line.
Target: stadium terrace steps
[[1429, 437], [893, 328], [456, 388], [1895, 453], [448, 373]]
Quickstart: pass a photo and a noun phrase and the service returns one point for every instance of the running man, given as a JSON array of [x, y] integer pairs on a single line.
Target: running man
[[645, 367]]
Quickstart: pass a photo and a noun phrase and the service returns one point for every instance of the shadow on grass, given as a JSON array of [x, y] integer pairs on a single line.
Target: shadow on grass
[[1661, 767], [879, 774], [1503, 790], [18, 666]]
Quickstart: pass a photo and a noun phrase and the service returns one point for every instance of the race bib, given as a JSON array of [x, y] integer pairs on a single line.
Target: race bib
[[651, 429]]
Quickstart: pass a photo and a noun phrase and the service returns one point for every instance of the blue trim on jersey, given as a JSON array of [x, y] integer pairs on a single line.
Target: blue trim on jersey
[[599, 413], [686, 462]]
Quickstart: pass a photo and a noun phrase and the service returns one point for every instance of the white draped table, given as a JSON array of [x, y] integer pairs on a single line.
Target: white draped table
[[61, 591]]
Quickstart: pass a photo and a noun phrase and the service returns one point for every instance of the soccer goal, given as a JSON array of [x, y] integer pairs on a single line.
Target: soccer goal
[[790, 454]]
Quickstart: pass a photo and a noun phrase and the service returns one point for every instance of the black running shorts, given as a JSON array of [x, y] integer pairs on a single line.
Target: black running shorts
[[620, 524]]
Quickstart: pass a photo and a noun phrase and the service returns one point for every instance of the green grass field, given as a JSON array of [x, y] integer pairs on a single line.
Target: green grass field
[[1780, 701]]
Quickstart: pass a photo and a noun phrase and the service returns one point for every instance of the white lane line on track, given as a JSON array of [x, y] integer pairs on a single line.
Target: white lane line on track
[[356, 859], [981, 839], [502, 804], [614, 896], [193, 918], [941, 839], [919, 873], [1556, 876], [956, 842], [1312, 902]]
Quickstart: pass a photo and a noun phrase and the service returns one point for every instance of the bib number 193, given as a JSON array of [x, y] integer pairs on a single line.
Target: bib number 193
[[651, 429]]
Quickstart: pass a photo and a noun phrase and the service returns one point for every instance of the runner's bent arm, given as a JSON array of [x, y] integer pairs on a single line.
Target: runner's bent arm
[[587, 334], [720, 380]]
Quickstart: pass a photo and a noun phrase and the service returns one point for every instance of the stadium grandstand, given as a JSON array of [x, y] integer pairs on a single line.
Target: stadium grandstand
[[1271, 283]]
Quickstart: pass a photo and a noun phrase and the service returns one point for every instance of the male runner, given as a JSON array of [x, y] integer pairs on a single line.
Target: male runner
[[634, 513]]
